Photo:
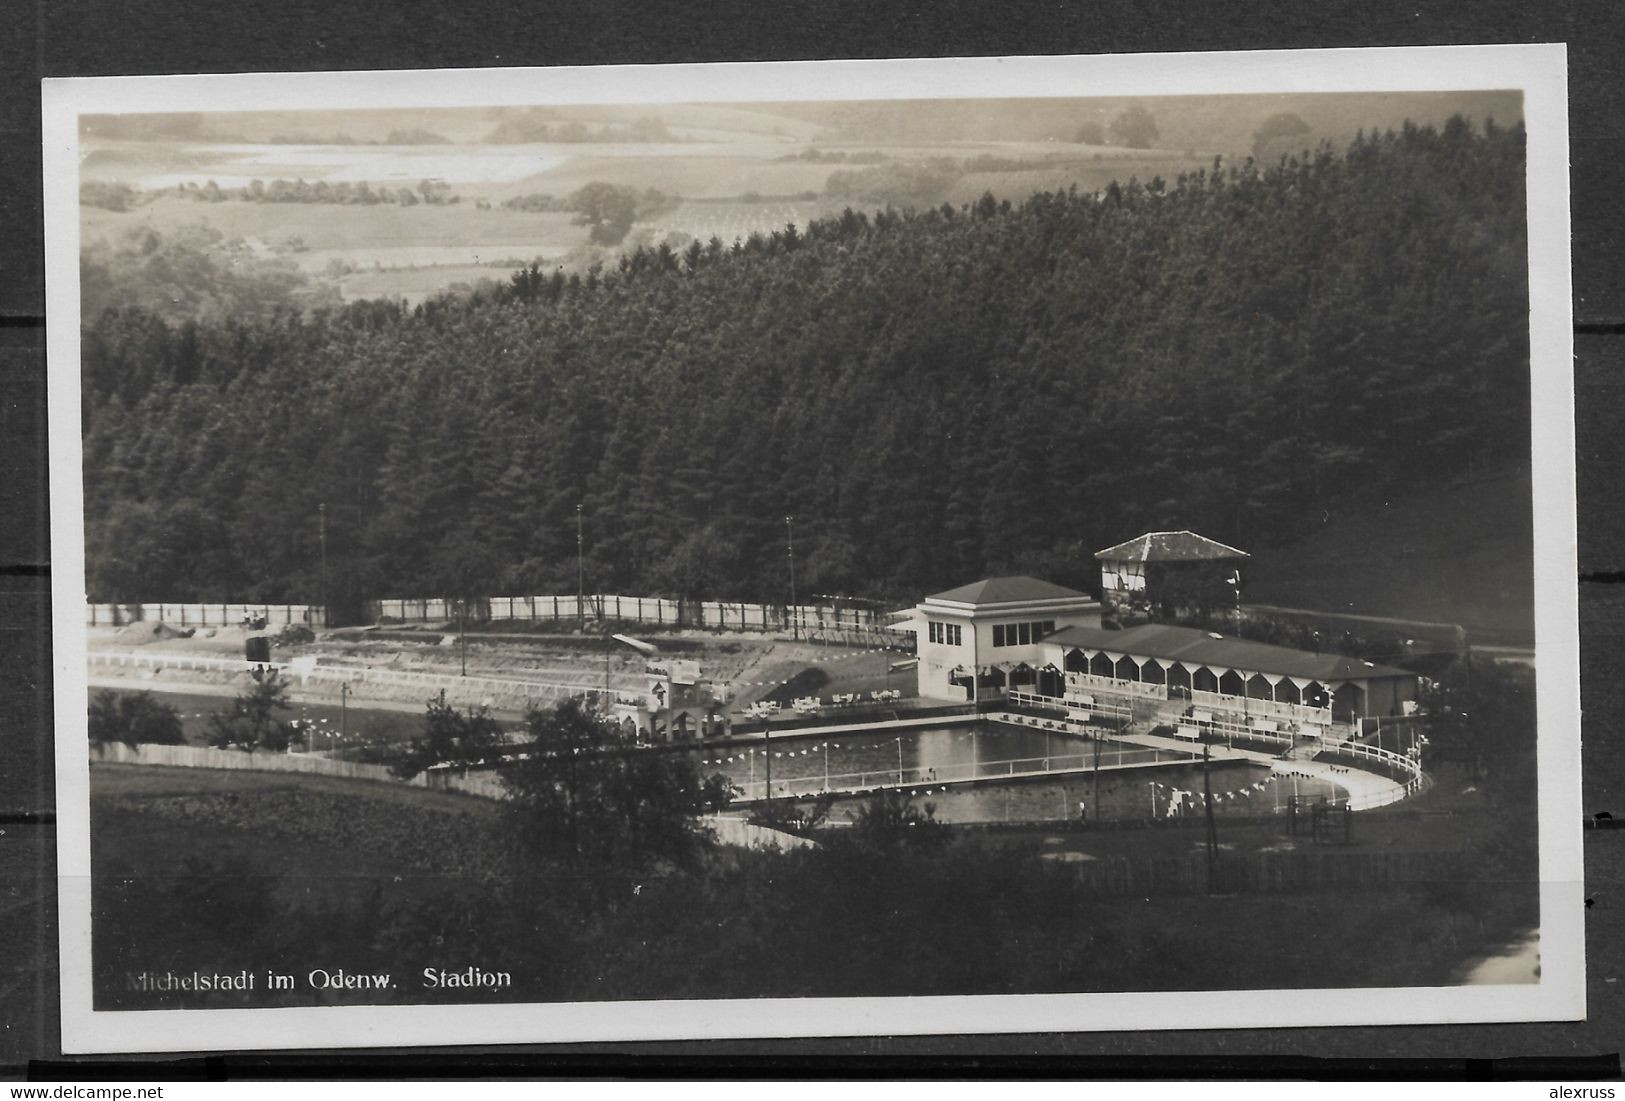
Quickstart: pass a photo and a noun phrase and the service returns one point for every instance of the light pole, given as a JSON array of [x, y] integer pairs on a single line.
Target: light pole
[[581, 576], [321, 528], [344, 700], [899, 742], [790, 553]]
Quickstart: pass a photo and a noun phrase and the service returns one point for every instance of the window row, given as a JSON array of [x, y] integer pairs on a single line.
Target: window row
[[1021, 634], [948, 634]]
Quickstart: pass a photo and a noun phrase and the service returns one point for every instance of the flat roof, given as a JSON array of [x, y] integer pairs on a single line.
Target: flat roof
[[1158, 640], [1170, 546], [1008, 590]]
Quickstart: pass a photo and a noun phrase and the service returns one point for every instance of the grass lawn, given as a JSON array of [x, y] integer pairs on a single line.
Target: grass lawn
[[316, 828]]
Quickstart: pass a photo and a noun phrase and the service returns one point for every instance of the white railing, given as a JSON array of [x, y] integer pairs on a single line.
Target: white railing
[[1086, 682], [809, 785], [1079, 709], [1301, 713]]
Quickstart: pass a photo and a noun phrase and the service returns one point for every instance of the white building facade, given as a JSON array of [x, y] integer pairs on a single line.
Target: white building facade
[[979, 638]]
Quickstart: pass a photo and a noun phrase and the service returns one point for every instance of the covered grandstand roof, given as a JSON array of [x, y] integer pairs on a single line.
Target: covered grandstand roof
[[1008, 590], [1170, 546], [1157, 640]]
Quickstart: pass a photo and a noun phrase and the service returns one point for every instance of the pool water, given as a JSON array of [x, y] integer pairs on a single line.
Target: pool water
[[1145, 784]]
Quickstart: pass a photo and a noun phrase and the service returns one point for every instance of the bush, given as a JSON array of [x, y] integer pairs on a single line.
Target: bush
[[133, 719]]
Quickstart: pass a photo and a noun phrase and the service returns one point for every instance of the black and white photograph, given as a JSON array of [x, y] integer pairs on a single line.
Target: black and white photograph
[[792, 549]]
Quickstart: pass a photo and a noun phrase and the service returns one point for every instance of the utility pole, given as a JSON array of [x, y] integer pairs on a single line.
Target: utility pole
[[1097, 740], [790, 553], [321, 528], [581, 576], [1212, 832]]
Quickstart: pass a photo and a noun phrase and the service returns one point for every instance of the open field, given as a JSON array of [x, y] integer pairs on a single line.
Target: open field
[[361, 234]]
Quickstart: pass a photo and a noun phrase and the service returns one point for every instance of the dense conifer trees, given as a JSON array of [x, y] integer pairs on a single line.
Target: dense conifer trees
[[935, 394]]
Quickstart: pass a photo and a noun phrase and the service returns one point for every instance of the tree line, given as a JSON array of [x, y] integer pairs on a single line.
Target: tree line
[[934, 394]]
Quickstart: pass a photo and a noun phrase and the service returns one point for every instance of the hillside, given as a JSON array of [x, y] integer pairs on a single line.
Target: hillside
[[933, 395], [1460, 551]]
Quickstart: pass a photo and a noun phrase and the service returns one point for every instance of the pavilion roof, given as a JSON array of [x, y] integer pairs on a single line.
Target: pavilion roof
[[1159, 640]]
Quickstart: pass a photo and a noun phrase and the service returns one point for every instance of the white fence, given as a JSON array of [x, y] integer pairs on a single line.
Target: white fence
[[203, 615], [240, 760], [482, 784], [462, 687], [722, 615]]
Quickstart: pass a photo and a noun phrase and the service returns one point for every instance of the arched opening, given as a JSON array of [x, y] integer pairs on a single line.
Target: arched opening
[[1203, 680], [1125, 669], [1231, 684], [1348, 702], [1258, 687], [1152, 672], [1179, 680], [1101, 666], [1288, 692], [1022, 676], [1076, 662], [1051, 682]]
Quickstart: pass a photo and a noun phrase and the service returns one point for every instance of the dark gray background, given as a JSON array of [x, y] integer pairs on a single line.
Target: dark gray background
[[83, 38]]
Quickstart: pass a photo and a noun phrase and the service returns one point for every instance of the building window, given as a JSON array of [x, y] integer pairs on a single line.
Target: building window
[[1046, 628], [1025, 632], [953, 634], [998, 634], [934, 629]]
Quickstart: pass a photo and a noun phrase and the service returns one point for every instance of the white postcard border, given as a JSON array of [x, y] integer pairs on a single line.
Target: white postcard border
[[1539, 70]]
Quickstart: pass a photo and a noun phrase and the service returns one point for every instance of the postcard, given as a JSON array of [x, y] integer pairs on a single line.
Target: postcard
[[804, 549]]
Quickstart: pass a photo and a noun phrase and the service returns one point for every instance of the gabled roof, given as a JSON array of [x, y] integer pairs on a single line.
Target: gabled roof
[[1008, 590], [1159, 640], [1170, 546]]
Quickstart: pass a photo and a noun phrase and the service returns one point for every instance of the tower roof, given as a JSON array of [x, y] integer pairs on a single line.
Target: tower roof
[[1170, 546]]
